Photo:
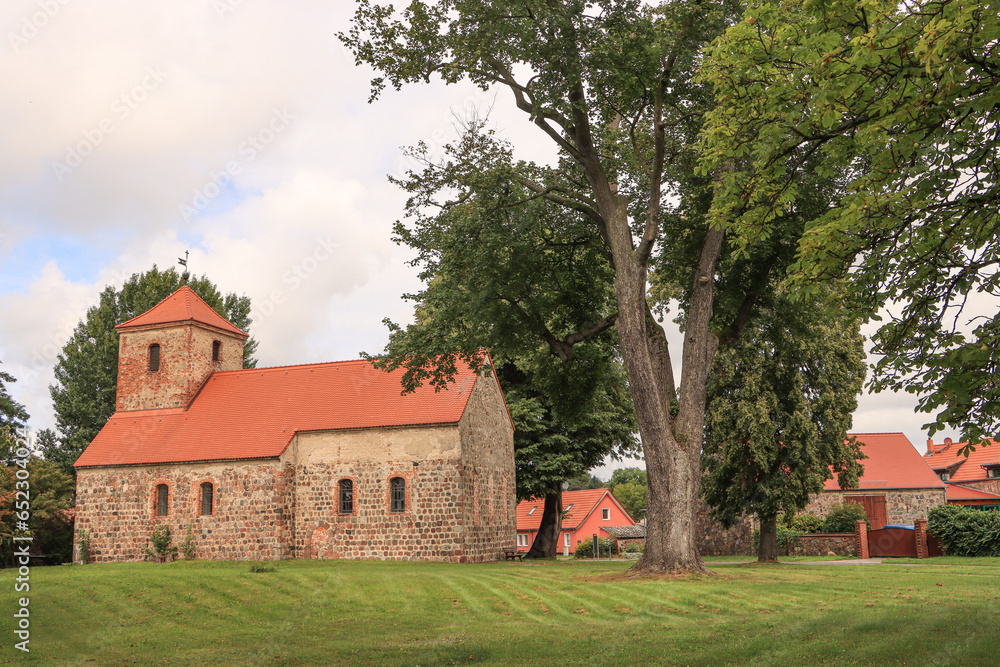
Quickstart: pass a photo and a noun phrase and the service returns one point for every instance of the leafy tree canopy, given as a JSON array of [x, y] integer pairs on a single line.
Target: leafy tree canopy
[[87, 368], [906, 96], [781, 401], [12, 417]]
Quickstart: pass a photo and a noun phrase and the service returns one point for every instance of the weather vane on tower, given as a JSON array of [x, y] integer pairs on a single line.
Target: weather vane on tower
[[184, 263]]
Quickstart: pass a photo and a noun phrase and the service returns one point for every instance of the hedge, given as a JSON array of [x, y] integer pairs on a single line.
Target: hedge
[[964, 531]]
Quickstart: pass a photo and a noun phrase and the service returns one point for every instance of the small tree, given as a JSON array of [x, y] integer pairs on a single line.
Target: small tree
[[843, 518]]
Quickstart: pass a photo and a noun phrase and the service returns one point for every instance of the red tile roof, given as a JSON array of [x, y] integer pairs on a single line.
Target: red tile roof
[[892, 463], [583, 503], [947, 456], [959, 492], [181, 306], [254, 413]]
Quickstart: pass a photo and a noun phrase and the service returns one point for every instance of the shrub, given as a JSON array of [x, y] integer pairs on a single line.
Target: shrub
[[163, 546], [803, 523], [634, 548], [586, 548], [786, 538], [188, 545], [83, 546], [844, 517], [964, 531]]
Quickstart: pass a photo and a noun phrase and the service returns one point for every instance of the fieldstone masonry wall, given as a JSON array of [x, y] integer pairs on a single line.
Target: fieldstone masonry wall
[[903, 506], [714, 540], [251, 517]]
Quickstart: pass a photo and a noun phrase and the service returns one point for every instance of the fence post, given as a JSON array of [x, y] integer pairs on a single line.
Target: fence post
[[920, 532], [861, 533]]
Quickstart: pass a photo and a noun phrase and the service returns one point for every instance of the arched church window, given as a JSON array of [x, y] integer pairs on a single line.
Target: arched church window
[[162, 498], [207, 498], [154, 357], [346, 488], [216, 350], [397, 490]]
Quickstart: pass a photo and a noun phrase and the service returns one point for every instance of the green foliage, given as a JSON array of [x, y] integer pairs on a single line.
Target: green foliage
[[634, 548], [586, 548], [843, 518], [188, 546], [780, 407], [261, 568], [965, 531], [803, 523], [163, 547], [83, 546], [50, 497], [906, 98], [87, 368], [629, 487], [584, 482], [786, 539], [13, 417]]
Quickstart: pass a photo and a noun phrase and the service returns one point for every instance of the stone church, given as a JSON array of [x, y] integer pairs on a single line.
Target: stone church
[[325, 460]]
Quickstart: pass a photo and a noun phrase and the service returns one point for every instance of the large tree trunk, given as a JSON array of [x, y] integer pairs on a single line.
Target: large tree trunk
[[546, 544], [767, 550]]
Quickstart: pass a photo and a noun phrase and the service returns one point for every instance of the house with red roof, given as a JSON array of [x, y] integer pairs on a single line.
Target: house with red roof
[[972, 480], [327, 460], [897, 486], [585, 514]]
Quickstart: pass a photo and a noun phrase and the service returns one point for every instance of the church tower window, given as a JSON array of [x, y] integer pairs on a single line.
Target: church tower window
[[397, 488], [154, 357], [346, 488], [162, 499], [216, 350], [207, 498]]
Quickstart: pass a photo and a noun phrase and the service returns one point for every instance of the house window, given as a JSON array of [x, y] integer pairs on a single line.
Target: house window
[[993, 472], [162, 498], [522, 539], [346, 496], [397, 490], [944, 476], [207, 497], [532, 510], [568, 508], [216, 350], [606, 514], [154, 357]]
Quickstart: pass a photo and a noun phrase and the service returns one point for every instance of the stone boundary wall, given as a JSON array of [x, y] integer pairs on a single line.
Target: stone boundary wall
[[820, 544], [714, 540], [252, 517]]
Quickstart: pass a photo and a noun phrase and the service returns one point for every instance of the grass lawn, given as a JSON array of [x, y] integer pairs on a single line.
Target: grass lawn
[[552, 613]]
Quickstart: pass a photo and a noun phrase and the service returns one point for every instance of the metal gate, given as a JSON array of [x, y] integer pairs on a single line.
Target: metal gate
[[900, 542]]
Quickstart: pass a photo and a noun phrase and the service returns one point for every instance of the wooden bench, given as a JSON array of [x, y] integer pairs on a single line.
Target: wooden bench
[[510, 553]]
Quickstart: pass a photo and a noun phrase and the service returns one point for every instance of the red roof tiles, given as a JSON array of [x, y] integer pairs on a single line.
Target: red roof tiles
[[583, 503], [959, 492], [960, 468], [254, 413], [892, 463], [181, 306]]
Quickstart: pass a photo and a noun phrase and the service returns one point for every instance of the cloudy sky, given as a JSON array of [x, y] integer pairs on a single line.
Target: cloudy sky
[[237, 130]]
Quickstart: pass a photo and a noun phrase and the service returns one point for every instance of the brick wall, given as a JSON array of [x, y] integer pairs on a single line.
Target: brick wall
[[251, 519]]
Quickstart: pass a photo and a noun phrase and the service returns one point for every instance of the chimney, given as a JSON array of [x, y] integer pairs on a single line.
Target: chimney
[[930, 447], [947, 443]]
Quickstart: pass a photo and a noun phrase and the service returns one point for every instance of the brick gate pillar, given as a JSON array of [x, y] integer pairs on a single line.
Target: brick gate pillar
[[861, 534], [920, 532]]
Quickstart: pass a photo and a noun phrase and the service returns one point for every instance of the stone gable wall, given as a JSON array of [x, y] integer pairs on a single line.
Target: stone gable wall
[[902, 506], [987, 485], [252, 515], [488, 474]]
